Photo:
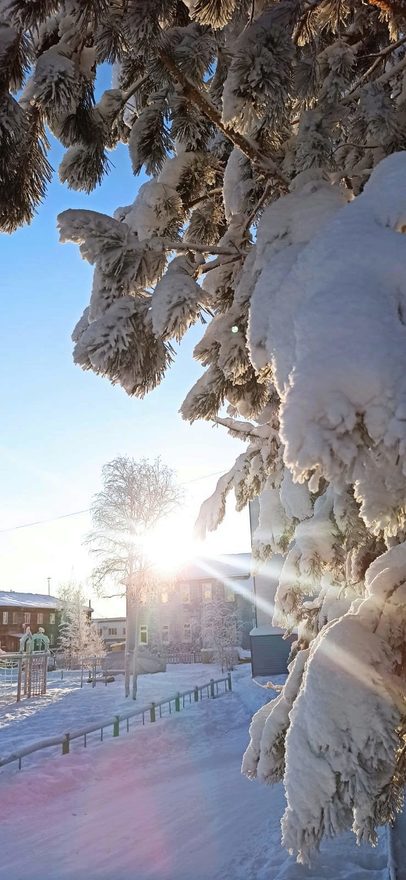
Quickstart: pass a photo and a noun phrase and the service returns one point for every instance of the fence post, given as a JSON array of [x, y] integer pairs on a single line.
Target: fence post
[[229, 681], [45, 674], [212, 687], [65, 744], [28, 671], [196, 694], [20, 677], [116, 726], [152, 712], [177, 702]]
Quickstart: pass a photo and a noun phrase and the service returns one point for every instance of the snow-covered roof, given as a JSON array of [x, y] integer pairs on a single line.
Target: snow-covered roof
[[28, 600], [231, 565]]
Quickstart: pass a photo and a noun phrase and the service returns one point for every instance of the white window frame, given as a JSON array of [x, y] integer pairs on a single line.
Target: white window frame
[[143, 635], [5, 617], [187, 627], [27, 617], [165, 634], [229, 594], [40, 618], [52, 618]]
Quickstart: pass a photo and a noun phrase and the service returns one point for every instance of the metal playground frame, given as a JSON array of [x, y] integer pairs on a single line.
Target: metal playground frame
[[23, 675]]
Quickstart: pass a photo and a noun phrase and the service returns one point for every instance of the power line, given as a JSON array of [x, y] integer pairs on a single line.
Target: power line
[[40, 522]]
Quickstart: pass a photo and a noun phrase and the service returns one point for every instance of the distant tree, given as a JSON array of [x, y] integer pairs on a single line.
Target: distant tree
[[135, 496], [221, 630], [77, 634]]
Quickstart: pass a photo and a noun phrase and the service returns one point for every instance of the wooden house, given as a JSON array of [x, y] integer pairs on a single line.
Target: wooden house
[[18, 610]]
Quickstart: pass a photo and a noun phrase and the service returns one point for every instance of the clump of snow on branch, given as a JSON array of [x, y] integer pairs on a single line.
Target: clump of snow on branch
[[286, 227], [343, 416], [264, 758], [177, 300]]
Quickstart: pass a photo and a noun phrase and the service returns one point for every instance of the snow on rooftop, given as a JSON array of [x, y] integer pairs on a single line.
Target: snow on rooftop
[[28, 600], [231, 565]]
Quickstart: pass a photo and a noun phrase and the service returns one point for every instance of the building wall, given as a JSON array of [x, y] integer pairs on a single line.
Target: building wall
[[111, 629], [178, 621], [269, 650], [266, 583], [14, 618], [269, 653]]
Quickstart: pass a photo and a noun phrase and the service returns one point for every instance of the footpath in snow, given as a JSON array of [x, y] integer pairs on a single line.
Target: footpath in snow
[[164, 802]]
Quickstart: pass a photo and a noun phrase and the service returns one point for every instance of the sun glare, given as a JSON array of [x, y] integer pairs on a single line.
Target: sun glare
[[167, 547]]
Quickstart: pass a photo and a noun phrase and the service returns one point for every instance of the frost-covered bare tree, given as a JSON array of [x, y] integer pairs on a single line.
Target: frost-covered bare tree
[[78, 636], [221, 630], [136, 495], [272, 135]]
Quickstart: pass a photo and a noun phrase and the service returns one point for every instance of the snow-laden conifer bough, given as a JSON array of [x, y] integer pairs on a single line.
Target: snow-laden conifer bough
[[273, 136]]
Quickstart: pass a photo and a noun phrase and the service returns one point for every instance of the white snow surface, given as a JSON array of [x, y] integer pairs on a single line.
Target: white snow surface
[[164, 802], [175, 303], [328, 314]]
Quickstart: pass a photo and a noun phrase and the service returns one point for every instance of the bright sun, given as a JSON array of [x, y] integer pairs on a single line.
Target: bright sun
[[168, 548]]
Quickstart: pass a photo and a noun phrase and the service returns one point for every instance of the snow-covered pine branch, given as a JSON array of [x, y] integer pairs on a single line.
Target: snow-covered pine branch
[[267, 135]]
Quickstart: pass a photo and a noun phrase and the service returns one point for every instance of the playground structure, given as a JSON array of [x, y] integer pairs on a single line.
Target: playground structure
[[23, 675]]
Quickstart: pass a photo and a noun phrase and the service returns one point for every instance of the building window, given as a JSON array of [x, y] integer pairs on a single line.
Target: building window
[[27, 617], [208, 592], [112, 631], [5, 616], [186, 593], [40, 618], [143, 634], [51, 639], [16, 617], [229, 594], [52, 617], [100, 632], [165, 635], [187, 632], [124, 630]]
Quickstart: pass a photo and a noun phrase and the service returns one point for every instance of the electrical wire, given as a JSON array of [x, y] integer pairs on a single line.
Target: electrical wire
[[40, 522]]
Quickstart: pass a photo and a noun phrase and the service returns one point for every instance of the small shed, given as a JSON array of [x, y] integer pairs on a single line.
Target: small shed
[[269, 650]]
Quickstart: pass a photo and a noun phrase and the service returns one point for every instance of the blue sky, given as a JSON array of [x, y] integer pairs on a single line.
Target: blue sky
[[60, 424]]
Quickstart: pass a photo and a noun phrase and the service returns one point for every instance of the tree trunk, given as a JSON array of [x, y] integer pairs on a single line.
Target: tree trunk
[[129, 639], [135, 654]]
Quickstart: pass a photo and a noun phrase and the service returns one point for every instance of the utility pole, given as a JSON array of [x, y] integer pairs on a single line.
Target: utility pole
[[49, 586]]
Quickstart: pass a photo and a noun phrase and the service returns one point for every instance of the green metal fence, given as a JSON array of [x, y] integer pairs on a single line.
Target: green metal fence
[[212, 689]]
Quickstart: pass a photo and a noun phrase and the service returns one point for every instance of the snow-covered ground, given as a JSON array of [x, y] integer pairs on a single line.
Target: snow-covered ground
[[164, 802], [67, 706]]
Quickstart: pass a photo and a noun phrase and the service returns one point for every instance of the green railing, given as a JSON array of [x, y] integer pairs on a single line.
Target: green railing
[[148, 713]]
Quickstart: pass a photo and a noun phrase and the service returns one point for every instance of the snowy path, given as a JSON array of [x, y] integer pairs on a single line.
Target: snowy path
[[166, 802]]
